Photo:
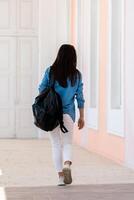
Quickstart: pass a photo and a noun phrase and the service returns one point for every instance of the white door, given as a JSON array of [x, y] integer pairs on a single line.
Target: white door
[[18, 67]]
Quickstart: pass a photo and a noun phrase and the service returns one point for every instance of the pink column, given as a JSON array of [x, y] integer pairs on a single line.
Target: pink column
[[101, 141]]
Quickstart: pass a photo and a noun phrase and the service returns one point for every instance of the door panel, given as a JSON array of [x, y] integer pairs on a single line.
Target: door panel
[[7, 17], [26, 81], [27, 17], [7, 86]]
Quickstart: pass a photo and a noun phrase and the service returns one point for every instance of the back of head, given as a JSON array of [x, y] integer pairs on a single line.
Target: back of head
[[64, 66]]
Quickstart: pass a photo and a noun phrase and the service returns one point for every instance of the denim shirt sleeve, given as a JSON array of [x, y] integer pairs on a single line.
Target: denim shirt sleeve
[[44, 83], [79, 94]]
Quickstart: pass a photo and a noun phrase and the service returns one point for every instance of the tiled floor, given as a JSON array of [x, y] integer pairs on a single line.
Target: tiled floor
[[29, 163]]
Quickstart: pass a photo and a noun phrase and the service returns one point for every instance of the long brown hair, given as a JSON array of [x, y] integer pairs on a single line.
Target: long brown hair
[[64, 66]]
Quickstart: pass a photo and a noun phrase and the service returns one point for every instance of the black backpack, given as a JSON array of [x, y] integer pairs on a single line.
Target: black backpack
[[47, 108]]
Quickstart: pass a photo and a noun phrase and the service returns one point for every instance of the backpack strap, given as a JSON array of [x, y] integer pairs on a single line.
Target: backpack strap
[[51, 78], [52, 83], [63, 128]]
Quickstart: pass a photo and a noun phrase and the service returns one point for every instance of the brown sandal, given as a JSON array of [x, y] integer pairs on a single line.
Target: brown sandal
[[67, 175]]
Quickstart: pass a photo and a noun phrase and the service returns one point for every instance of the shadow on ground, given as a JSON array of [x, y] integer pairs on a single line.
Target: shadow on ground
[[72, 192]]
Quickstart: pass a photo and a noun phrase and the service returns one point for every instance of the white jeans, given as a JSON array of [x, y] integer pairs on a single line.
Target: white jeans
[[62, 143]]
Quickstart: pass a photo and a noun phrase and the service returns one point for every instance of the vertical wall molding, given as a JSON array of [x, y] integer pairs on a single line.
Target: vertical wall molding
[[88, 57], [86, 54], [93, 114], [129, 83], [115, 92]]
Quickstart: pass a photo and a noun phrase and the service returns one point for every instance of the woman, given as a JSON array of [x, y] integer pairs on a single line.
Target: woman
[[68, 84]]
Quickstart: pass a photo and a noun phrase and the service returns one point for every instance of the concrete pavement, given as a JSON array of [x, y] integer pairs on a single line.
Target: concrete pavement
[[29, 163]]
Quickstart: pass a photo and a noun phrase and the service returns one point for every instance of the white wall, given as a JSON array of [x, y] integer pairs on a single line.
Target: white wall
[[129, 83], [54, 30]]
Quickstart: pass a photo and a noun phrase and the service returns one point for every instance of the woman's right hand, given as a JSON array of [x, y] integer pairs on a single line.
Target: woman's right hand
[[81, 123]]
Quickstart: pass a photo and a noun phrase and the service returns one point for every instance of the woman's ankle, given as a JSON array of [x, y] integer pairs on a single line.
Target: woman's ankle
[[60, 174]]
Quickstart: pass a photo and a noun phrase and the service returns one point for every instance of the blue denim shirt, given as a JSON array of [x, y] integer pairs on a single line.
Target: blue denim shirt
[[67, 94]]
